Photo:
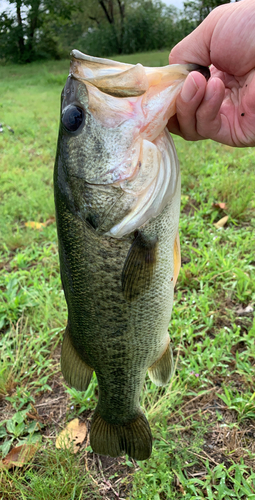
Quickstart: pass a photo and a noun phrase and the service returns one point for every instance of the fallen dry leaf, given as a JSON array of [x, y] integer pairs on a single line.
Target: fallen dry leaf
[[19, 456], [220, 204], [39, 225], [221, 222], [35, 225], [73, 435]]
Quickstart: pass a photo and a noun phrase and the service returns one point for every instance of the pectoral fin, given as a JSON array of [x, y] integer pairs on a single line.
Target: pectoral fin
[[75, 371], [139, 266], [161, 371]]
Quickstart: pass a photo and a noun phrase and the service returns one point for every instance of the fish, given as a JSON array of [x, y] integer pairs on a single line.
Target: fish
[[117, 199]]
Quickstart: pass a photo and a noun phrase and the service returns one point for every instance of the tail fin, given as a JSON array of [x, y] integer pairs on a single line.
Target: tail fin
[[134, 438]]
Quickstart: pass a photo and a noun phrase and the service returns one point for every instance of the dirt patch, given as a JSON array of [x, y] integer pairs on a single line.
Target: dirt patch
[[225, 444], [52, 406], [112, 476], [225, 441]]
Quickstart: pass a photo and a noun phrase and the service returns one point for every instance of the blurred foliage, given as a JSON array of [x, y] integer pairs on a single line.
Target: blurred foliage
[[40, 29], [197, 10], [29, 29], [147, 26]]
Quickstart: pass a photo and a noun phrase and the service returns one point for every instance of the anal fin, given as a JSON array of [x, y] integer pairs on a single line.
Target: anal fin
[[134, 438], [75, 371], [161, 371], [139, 266]]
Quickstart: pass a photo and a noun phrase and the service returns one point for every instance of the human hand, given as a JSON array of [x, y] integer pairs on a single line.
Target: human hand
[[222, 109]]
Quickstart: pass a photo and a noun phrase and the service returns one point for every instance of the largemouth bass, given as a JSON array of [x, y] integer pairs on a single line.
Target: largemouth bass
[[117, 196]]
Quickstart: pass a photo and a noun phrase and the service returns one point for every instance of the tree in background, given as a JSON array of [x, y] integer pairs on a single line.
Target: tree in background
[[106, 18], [51, 28], [132, 26], [126, 26], [114, 11], [31, 32], [199, 9]]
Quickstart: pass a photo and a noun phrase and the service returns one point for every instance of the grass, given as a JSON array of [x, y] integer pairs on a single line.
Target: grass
[[203, 423]]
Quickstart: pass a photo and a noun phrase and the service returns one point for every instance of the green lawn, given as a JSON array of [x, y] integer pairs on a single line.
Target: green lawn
[[203, 424]]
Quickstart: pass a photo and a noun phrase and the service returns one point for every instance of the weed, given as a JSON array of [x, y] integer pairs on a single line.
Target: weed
[[80, 401], [243, 404], [17, 428], [203, 421]]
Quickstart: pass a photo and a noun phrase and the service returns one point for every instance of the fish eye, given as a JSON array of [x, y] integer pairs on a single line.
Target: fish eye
[[72, 118]]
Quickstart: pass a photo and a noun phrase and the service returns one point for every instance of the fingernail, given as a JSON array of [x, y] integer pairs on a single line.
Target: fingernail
[[189, 89], [210, 90]]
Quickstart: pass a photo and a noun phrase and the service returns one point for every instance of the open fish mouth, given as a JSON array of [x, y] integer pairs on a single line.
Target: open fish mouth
[[122, 79], [138, 100]]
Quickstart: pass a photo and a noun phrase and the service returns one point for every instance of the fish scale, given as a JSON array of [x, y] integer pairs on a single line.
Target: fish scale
[[118, 242]]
